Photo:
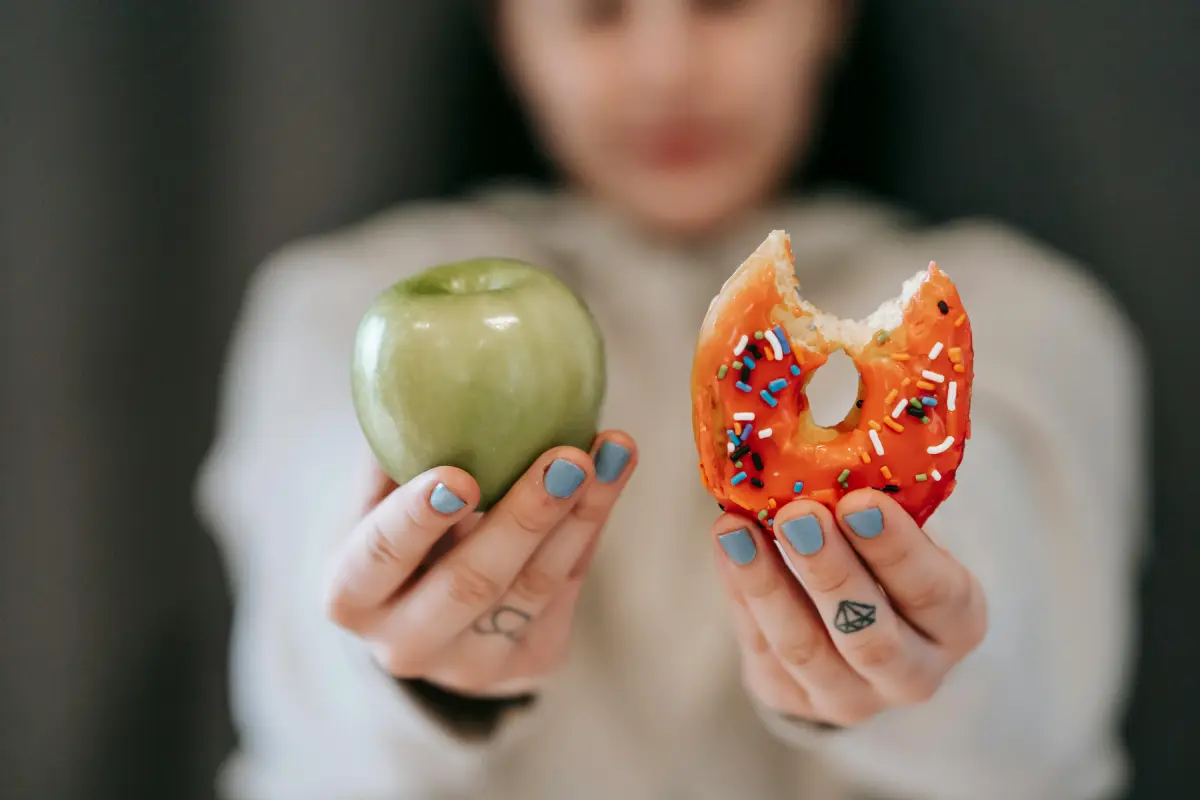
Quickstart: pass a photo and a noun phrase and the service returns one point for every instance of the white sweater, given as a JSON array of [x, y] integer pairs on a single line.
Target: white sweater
[[1048, 513]]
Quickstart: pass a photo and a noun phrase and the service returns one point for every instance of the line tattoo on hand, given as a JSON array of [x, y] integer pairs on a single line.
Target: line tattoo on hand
[[504, 621], [852, 617]]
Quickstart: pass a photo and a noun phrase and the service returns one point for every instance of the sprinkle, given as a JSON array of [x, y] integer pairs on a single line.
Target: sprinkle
[[896, 426], [905, 382], [862, 454], [961, 319], [756, 483], [744, 374], [758, 335], [952, 395], [771, 502], [924, 420], [754, 351], [959, 368], [875, 442], [921, 477], [887, 401], [765, 433], [737, 428], [940, 448], [776, 345], [748, 361], [739, 452], [955, 354], [900, 356], [926, 386], [743, 386], [721, 371], [798, 487], [777, 384], [858, 403], [766, 396], [874, 425], [736, 479], [782, 339], [737, 365], [929, 401], [741, 345], [743, 415], [933, 376], [845, 474], [770, 354], [942, 307], [721, 506], [729, 446], [885, 472], [757, 459], [891, 488], [746, 432], [762, 514], [733, 437], [936, 351], [899, 408], [914, 412], [771, 522], [737, 464], [795, 370], [937, 476], [914, 402], [882, 337]]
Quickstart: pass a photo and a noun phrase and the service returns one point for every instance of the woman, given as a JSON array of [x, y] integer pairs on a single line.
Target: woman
[[674, 656]]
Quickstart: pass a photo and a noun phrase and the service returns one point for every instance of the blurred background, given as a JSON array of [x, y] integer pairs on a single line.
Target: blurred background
[[152, 152]]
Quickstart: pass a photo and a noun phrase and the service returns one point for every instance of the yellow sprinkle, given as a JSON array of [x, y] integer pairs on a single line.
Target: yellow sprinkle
[[891, 423], [955, 354], [874, 425], [961, 318], [885, 472], [905, 382], [959, 368], [737, 428], [900, 356], [771, 503], [926, 385], [887, 401], [866, 459]]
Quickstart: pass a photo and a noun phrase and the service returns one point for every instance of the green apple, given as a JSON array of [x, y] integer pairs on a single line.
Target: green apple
[[482, 365]]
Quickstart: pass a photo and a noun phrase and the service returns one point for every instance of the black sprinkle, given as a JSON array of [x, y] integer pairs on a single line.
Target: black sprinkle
[[739, 452], [858, 404], [757, 459], [745, 374], [753, 348], [891, 488], [914, 412], [756, 483], [721, 506], [942, 307]]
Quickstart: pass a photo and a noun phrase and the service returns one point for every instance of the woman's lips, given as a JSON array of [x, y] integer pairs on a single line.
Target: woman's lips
[[678, 147]]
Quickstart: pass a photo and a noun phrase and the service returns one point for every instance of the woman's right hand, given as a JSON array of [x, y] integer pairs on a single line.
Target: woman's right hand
[[490, 615]]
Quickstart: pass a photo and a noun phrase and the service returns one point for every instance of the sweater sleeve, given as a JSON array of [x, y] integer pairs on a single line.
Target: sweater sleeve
[[283, 483], [1049, 513]]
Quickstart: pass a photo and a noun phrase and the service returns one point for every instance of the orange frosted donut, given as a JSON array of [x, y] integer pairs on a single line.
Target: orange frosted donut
[[759, 346]]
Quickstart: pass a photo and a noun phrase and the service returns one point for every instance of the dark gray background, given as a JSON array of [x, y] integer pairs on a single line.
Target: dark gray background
[[151, 152]]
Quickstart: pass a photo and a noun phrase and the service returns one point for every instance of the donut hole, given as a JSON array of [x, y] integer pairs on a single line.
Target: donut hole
[[833, 390]]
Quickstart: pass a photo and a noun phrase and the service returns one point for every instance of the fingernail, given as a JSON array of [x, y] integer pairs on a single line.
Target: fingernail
[[563, 478], [804, 533], [611, 459], [867, 523], [738, 545], [445, 501]]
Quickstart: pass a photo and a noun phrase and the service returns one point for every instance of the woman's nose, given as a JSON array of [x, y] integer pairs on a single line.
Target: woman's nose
[[662, 45]]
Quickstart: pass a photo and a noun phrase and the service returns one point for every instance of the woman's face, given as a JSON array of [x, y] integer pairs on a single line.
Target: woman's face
[[681, 112]]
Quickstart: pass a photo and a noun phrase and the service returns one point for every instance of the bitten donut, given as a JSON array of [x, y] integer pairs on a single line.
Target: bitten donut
[[761, 343]]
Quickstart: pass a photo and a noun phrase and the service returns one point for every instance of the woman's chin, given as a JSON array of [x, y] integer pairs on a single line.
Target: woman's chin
[[697, 215]]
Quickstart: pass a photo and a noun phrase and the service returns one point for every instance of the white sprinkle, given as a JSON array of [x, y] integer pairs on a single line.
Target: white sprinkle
[[937, 476], [765, 433], [774, 340], [951, 395], [933, 376], [875, 441], [741, 345], [729, 447], [744, 416], [936, 351], [940, 448], [899, 409]]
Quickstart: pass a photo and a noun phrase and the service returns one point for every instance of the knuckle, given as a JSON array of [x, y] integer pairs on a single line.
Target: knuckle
[[932, 593], [849, 713], [400, 662], [534, 584], [530, 516], [381, 549], [829, 578], [468, 586], [892, 559], [880, 651], [799, 652], [591, 511], [762, 584]]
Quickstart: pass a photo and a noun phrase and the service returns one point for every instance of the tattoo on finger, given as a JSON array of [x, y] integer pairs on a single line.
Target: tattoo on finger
[[503, 621], [852, 617]]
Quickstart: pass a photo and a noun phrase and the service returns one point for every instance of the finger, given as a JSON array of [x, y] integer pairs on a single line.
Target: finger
[[468, 582], [762, 673], [928, 586], [392, 539], [873, 639], [786, 618]]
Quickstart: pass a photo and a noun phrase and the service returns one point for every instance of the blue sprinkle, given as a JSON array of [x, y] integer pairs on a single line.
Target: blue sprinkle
[[777, 384], [748, 361], [795, 370], [741, 476], [783, 342], [746, 431], [745, 387], [733, 438], [771, 401], [771, 522], [929, 401], [798, 487]]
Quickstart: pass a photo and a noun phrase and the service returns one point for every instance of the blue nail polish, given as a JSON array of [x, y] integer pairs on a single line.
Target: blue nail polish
[[738, 545], [563, 478], [445, 501], [867, 523], [611, 459], [804, 533]]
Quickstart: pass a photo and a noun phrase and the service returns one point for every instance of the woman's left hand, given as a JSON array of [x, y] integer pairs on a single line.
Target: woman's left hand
[[882, 616]]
